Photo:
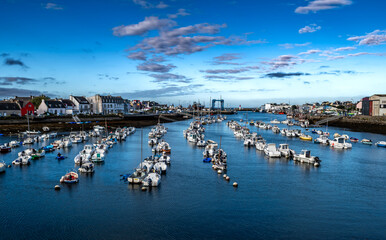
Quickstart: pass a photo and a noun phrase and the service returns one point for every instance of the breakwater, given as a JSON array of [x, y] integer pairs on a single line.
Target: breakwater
[[357, 123]]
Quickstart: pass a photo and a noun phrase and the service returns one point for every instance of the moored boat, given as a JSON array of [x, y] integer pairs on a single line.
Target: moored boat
[[71, 177]]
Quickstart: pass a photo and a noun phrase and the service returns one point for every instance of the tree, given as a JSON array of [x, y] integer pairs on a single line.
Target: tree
[[293, 107], [37, 100]]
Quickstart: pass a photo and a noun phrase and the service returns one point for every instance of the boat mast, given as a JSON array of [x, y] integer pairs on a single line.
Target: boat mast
[[141, 146]]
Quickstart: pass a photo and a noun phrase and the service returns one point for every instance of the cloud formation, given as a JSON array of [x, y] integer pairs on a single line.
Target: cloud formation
[[11, 92], [310, 28], [137, 56], [163, 77], [226, 71], [16, 80], [13, 62], [292, 45], [376, 37], [284, 61], [313, 51], [284, 75], [147, 4], [170, 91], [53, 6], [181, 12], [318, 5], [155, 67], [150, 23]]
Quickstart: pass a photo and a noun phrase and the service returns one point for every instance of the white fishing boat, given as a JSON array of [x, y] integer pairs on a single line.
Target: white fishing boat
[[249, 141], [201, 143], [98, 156], [340, 143], [87, 167], [14, 144], [322, 139], [82, 157], [22, 160], [153, 141], [164, 158], [210, 149], [260, 145], [285, 150], [160, 167], [28, 140], [153, 179], [271, 151], [305, 157], [275, 121], [275, 129], [67, 142]]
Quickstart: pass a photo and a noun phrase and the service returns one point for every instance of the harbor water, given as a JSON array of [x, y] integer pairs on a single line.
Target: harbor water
[[344, 198]]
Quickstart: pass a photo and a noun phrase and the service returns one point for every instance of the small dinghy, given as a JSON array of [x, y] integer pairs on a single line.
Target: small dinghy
[[2, 166], [22, 160], [71, 177], [381, 144], [353, 139], [207, 160], [60, 157], [367, 142]]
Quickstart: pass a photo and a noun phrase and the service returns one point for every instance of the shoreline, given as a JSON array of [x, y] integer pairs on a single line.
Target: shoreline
[[11, 127]]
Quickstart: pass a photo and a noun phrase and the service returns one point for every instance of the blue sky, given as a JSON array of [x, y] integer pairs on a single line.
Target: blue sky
[[179, 51]]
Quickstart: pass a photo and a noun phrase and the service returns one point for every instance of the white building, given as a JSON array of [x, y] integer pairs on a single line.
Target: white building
[[379, 104], [55, 107], [70, 106], [106, 104], [82, 105]]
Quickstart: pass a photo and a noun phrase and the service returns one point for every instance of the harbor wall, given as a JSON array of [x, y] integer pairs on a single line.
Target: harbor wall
[[357, 123]]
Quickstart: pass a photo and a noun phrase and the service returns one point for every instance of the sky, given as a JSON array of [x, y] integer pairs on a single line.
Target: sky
[[246, 52]]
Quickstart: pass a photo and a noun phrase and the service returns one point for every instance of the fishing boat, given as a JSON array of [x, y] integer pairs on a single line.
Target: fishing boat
[[22, 160], [367, 142], [353, 139], [87, 167], [5, 148], [305, 157], [14, 144], [28, 140], [153, 179], [340, 143], [322, 140], [305, 137], [271, 151], [137, 176], [260, 145], [275, 121], [38, 154], [71, 177], [98, 156], [381, 144], [285, 150], [152, 141], [201, 143]]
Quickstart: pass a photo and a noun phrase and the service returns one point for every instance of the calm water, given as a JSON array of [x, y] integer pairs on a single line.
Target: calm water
[[345, 198]]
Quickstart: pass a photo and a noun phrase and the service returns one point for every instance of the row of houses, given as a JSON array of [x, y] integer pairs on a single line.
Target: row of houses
[[97, 104]]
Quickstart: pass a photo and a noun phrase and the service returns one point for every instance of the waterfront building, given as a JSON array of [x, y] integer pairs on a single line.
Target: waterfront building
[[378, 102], [82, 105], [70, 106], [106, 104], [9, 108], [55, 107]]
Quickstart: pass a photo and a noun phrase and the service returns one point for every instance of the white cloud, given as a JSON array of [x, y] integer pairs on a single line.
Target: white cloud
[[150, 23], [147, 4], [310, 52], [53, 6], [318, 5], [376, 37], [310, 28]]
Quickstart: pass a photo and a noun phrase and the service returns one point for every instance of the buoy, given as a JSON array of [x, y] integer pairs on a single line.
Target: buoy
[[9, 166], [57, 187], [219, 171], [224, 175], [227, 178], [143, 188], [235, 184], [316, 164]]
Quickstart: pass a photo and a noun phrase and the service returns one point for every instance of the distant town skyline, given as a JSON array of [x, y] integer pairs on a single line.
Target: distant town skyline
[[248, 52]]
